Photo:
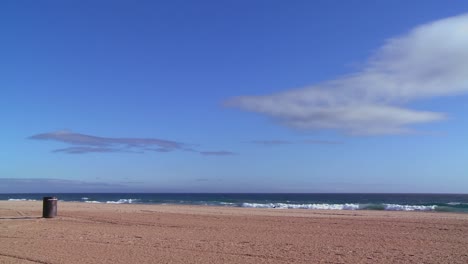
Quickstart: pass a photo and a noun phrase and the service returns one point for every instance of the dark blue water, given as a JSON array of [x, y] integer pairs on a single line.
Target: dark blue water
[[395, 202]]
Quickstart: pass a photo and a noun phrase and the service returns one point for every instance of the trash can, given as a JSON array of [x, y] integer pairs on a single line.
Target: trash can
[[49, 207]]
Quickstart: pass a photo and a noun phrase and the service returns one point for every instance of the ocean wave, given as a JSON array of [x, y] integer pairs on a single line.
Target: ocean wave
[[304, 206], [457, 204], [124, 201], [215, 203], [399, 207], [84, 198], [22, 199], [226, 204], [346, 206], [92, 202]]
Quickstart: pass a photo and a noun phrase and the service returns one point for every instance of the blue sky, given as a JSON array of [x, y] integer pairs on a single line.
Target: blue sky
[[234, 96]]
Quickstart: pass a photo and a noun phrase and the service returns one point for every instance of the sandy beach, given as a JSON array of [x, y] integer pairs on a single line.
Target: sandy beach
[[129, 233]]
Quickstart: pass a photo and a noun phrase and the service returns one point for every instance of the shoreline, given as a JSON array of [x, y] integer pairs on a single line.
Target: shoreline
[[354, 201], [281, 206], [151, 233]]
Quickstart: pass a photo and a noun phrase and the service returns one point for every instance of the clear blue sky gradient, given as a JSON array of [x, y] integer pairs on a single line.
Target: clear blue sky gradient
[[164, 70]]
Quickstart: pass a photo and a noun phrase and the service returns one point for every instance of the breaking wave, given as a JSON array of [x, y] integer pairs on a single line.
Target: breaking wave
[[124, 201], [398, 207], [347, 206], [382, 202], [303, 206]]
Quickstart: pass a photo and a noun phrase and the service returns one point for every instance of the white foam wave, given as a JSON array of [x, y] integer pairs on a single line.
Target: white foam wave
[[123, 201], [399, 207], [347, 206], [92, 202], [457, 203], [84, 198], [19, 200], [303, 206], [226, 204]]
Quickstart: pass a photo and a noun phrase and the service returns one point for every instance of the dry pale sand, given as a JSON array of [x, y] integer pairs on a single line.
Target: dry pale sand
[[109, 233]]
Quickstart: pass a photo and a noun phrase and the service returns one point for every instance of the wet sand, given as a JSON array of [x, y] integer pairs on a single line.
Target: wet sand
[[120, 233]]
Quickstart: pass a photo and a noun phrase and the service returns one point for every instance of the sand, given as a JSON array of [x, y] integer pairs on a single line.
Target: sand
[[120, 233]]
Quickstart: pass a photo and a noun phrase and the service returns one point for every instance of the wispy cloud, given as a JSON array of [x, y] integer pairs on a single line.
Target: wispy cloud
[[81, 150], [288, 142], [430, 61], [321, 142], [94, 141], [270, 142], [81, 144], [217, 153]]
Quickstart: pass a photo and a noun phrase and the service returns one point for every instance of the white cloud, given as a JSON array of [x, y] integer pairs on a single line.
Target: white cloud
[[429, 61]]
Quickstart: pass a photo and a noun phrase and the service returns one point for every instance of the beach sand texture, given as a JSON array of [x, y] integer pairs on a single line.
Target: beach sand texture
[[122, 233]]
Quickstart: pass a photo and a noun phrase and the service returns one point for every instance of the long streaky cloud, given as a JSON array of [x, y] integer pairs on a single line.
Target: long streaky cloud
[[217, 153], [82, 139], [273, 142], [321, 142], [429, 61], [81, 144], [82, 150], [276, 142]]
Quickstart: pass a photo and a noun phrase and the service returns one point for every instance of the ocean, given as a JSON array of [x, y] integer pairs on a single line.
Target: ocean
[[333, 201]]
